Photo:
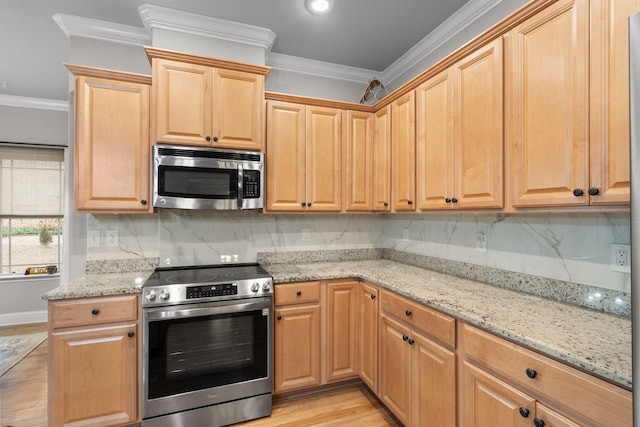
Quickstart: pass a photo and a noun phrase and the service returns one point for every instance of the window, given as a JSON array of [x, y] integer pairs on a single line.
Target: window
[[31, 207]]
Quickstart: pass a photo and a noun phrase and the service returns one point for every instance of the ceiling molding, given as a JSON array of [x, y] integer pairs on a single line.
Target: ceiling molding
[[279, 61], [33, 103], [175, 20], [78, 26], [455, 24]]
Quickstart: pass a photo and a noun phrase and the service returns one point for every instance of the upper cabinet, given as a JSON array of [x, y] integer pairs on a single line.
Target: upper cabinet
[[382, 160], [403, 148], [358, 161], [459, 143], [200, 100], [112, 152]]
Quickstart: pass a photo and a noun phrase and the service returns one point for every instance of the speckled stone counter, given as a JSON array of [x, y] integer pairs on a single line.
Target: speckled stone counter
[[595, 342]]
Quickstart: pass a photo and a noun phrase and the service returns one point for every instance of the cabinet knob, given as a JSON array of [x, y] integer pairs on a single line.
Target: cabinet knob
[[298, 293], [411, 342], [143, 202], [303, 204], [531, 373], [524, 412], [593, 191], [408, 312], [385, 204], [404, 338], [208, 138], [454, 200], [578, 192], [95, 311], [215, 139], [279, 317], [538, 422], [309, 204], [409, 202], [447, 200], [373, 296], [130, 334]]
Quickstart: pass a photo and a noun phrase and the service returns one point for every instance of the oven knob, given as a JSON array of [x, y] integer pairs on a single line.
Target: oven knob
[[266, 287], [151, 295], [164, 295], [255, 287]]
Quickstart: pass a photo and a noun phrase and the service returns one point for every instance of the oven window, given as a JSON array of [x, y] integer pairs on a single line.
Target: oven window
[[209, 351], [202, 183]]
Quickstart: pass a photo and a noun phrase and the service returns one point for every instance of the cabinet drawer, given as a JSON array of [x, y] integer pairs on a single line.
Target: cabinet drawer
[[600, 403], [92, 311], [436, 325], [297, 293]]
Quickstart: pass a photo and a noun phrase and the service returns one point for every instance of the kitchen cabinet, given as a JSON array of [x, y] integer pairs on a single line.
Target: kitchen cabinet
[[358, 158], [342, 330], [417, 374], [403, 148], [111, 152], [382, 160], [548, 92], [199, 100], [304, 149], [501, 377], [459, 142], [93, 361], [297, 339], [368, 315]]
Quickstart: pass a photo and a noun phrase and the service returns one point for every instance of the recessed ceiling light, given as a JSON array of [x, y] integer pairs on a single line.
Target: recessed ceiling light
[[319, 7]]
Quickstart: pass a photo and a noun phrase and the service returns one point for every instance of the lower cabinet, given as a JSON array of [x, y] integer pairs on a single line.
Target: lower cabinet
[[93, 361], [368, 335]]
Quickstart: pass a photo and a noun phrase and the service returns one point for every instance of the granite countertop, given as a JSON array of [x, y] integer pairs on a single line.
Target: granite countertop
[[100, 284], [598, 343]]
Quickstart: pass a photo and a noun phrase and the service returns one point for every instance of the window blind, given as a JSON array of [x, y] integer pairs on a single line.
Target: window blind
[[31, 181]]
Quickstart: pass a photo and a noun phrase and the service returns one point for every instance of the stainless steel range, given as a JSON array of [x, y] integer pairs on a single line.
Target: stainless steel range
[[206, 345]]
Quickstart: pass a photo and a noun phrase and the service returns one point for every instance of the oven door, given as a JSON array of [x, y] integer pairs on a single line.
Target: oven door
[[196, 355]]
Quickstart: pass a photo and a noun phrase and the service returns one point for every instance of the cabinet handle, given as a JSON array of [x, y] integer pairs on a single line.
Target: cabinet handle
[[538, 422], [524, 412], [578, 192], [309, 204], [409, 202], [95, 311], [385, 204], [130, 334], [408, 312], [447, 200], [531, 373], [215, 139], [143, 202], [404, 338], [299, 293], [208, 138], [411, 342], [593, 191], [454, 200], [303, 204], [279, 317], [373, 296]]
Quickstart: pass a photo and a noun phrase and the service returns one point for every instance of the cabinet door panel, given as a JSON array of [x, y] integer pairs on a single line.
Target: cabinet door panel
[[551, 418], [342, 330], [382, 160], [395, 368], [238, 109], [182, 102], [285, 156], [549, 100], [93, 376], [358, 160], [368, 336], [403, 148]]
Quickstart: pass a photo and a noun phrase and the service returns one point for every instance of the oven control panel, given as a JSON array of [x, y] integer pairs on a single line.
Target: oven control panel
[[207, 291]]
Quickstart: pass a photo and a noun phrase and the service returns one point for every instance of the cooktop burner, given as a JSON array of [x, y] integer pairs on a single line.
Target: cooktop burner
[[205, 274]]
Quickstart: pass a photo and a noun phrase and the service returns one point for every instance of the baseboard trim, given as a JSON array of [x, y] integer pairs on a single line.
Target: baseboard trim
[[23, 318]]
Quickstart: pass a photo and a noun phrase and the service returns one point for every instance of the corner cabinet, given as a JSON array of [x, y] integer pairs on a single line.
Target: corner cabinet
[[403, 149], [358, 161], [112, 151], [198, 100], [94, 361], [382, 160]]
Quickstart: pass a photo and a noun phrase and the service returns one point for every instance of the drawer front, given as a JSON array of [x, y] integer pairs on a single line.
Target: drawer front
[[297, 293], [599, 402], [93, 311], [437, 325]]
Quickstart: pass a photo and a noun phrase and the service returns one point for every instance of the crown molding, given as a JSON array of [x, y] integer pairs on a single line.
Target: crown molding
[[34, 103], [78, 26], [279, 61], [455, 24], [175, 20]]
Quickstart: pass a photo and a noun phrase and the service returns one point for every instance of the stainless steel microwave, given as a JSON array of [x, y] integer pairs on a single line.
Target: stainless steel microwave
[[207, 178]]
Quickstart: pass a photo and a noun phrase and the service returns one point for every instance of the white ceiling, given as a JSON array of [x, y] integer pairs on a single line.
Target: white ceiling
[[367, 34]]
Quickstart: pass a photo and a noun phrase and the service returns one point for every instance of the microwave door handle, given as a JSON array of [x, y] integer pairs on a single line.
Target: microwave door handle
[[240, 186]]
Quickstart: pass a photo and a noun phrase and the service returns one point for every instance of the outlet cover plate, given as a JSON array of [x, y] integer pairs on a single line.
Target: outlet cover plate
[[621, 258]]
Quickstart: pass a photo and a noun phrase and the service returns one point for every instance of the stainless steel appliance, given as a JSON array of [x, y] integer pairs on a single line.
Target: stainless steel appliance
[[634, 73], [206, 356], [207, 178]]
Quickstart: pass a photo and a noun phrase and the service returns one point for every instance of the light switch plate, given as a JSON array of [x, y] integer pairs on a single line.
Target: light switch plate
[[111, 236], [93, 238]]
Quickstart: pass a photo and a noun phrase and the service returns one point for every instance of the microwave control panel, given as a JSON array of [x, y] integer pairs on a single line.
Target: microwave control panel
[[251, 184]]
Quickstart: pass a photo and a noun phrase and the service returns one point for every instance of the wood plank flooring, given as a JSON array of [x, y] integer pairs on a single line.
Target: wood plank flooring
[[23, 398]]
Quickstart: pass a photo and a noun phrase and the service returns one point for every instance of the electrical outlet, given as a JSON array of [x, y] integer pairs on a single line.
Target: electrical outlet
[[481, 243], [93, 238], [405, 234], [111, 236], [306, 234], [621, 258]]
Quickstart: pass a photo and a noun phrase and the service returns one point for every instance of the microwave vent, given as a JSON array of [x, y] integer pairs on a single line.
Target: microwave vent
[[210, 154]]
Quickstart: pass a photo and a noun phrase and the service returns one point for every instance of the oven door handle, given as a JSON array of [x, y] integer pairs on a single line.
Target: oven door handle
[[164, 313]]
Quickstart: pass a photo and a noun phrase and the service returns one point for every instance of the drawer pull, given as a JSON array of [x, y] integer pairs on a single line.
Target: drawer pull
[[299, 293], [531, 373], [404, 338], [131, 334], [95, 311], [373, 296], [538, 422], [524, 412], [408, 312]]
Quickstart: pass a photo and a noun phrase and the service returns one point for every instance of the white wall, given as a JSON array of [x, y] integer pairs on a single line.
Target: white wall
[[33, 126], [313, 86]]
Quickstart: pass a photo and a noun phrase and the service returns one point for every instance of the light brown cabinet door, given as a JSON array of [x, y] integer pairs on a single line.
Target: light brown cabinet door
[[403, 148], [382, 160], [296, 347], [368, 335], [548, 93], [395, 368], [551, 418], [112, 150], [238, 110], [477, 123], [358, 161], [182, 102], [323, 159], [93, 374], [342, 330], [434, 383], [490, 402], [286, 172], [609, 96]]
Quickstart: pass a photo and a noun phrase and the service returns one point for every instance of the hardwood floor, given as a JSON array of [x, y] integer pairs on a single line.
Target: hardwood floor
[[23, 398]]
